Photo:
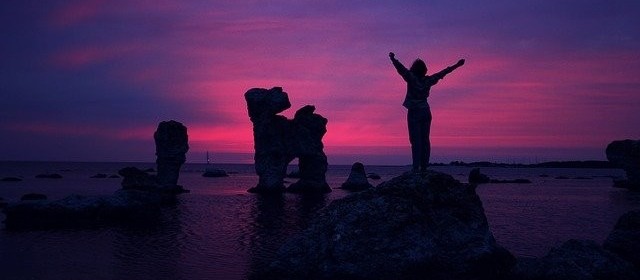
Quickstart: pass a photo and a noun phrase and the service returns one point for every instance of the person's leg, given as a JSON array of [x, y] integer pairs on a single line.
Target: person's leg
[[426, 129], [414, 138]]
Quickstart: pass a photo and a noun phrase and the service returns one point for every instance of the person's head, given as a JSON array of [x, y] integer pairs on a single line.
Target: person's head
[[419, 68]]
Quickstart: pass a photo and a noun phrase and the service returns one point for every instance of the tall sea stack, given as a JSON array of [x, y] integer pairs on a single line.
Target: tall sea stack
[[171, 146]]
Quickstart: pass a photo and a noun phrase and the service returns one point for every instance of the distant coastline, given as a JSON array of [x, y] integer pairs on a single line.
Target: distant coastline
[[597, 164]]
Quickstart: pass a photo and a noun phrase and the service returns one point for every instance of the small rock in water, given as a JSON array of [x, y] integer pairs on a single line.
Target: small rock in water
[[114, 176], [212, 173], [475, 177], [373, 176], [357, 180], [11, 179], [33, 196], [99, 176], [49, 176]]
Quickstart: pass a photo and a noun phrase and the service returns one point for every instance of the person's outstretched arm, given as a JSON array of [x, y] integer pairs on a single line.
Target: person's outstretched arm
[[448, 70], [403, 71]]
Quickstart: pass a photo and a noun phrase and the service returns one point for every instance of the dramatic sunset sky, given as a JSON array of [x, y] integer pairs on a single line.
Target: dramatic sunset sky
[[89, 80]]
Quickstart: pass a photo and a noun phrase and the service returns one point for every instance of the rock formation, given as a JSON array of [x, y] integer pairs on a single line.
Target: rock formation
[[576, 259], [476, 178], [49, 176], [171, 147], [626, 155], [357, 180], [277, 141], [214, 172], [11, 179], [415, 226], [142, 195], [624, 240]]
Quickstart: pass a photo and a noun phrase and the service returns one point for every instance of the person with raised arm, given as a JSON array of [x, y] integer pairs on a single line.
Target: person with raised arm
[[419, 114]]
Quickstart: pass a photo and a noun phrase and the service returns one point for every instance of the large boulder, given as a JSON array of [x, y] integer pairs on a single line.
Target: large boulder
[[415, 226], [576, 260], [626, 155], [624, 240], [357, 180], [277, 141]]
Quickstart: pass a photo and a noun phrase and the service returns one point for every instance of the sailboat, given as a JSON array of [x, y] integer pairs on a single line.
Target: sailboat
[[213, 172]]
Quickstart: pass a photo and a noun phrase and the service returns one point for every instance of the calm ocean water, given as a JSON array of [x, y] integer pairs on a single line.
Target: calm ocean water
[[218, 231]]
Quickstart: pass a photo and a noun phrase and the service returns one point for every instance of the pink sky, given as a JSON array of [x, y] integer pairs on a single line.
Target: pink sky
[[90, 80]]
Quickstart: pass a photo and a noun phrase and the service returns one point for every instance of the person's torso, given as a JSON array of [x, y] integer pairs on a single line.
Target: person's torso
[[418, 92]]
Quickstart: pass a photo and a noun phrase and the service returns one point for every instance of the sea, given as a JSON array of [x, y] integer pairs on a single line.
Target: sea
[[219, 231]]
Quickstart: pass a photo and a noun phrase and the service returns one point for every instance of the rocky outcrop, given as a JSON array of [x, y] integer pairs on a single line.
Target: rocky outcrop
[[33, 196], [81, 211], [171, 148], [142, 195], [624, 240], [214, 173], [415, 226], [277, 141], [357, 180], [476, 178], [576, 259], [10, 179], [626, 155], [49, 176]]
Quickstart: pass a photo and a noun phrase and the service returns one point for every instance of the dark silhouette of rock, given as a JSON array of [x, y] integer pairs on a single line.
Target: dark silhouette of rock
[[294, 174], [475, 177], [357, 180], [99, 176], [49, 176], [624, 240], [33, 196], [149, 170], [415, 226], [214, 172], [561, 177], [576, 259], [141, 197], [373, 176], [11, 179], [114, 176], [277, 141], [136, 179], [171, 147], [81, 211], [626, 155]]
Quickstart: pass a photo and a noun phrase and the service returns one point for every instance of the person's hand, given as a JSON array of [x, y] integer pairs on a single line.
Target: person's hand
[[460, 62], [392, 55]]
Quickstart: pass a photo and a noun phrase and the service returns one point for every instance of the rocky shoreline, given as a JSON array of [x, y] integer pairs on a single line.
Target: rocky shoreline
[[431, 226]]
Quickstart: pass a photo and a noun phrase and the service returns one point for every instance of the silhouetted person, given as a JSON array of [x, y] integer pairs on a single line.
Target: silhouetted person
[[419, 114]]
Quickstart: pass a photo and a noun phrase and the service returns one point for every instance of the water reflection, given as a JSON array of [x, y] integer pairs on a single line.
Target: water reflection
[[276, 218], [151, 249]]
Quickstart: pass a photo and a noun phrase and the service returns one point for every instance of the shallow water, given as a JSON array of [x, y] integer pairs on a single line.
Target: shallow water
[[218, 231]]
